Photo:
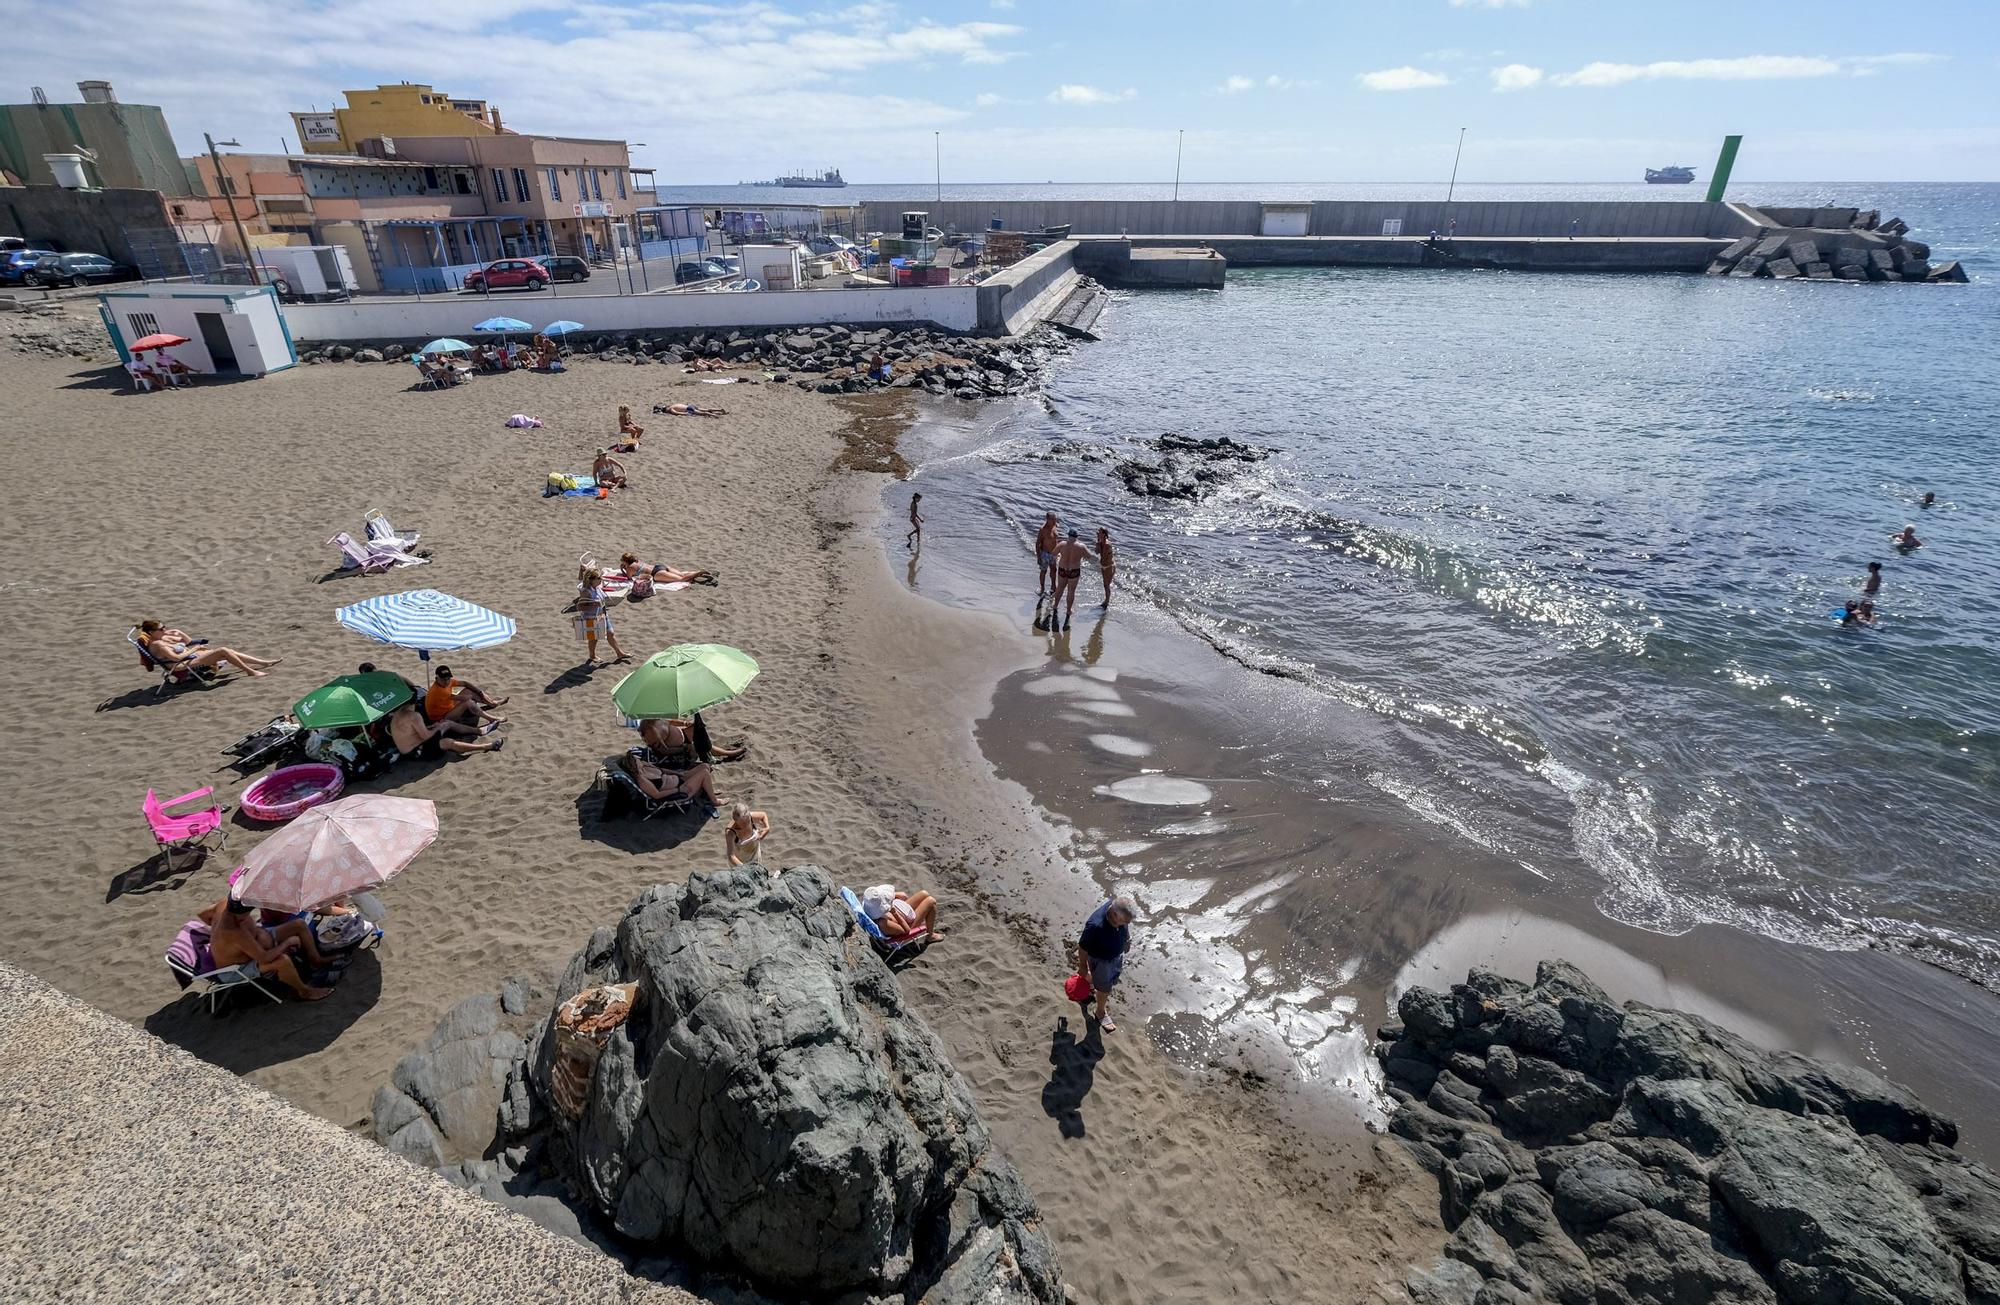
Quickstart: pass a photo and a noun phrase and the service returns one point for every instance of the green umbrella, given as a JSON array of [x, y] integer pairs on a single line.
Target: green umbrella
[[353, 700], [683, 680]]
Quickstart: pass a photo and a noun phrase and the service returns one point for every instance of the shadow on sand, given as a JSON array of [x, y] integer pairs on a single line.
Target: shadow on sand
[[632, 834], [1072, 1073], [251, 1033]]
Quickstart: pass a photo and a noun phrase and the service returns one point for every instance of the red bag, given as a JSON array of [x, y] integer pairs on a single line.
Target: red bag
[[1077, 988]]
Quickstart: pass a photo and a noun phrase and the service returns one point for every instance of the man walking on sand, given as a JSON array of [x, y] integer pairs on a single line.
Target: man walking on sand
[[1045, 555], [1107, 562], [1070, 555], [1100, 952], [916, 535]]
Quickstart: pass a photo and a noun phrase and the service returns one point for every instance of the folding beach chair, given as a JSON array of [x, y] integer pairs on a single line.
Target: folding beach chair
[[887, 946], [372, 557], [195, 970], [171, 677], [185, 835], [375, 525]]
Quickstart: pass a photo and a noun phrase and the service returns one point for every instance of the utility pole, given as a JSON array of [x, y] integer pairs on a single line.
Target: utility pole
[[222, 184], [1454, 166], [937, 161], [1180, 138]]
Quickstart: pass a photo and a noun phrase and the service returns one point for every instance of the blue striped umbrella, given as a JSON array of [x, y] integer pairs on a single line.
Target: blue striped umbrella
[[426, 621], [561, 328], [503, 325]]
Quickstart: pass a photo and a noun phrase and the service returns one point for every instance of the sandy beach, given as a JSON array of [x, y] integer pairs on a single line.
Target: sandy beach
[[209, 509]]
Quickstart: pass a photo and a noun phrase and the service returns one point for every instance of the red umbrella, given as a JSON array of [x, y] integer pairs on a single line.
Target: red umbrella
[[161, 341]]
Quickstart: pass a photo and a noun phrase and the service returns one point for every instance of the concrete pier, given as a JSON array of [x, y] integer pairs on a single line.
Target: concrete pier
[[1160, 264], [1512, 253]]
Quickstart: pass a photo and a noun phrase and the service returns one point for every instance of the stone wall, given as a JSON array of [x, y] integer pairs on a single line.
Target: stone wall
[[85, 221]]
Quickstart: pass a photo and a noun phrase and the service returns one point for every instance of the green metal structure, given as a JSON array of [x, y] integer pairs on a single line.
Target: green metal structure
[[1723, 163]]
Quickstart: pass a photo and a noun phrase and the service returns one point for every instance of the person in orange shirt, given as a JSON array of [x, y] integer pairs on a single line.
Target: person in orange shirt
[[459, 700]]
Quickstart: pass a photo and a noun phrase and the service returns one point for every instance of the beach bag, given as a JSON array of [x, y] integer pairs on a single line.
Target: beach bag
[[340, 930], [583, 1025], [1077, 988]]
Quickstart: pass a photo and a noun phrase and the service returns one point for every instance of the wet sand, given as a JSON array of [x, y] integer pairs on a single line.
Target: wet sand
[[210, 510]]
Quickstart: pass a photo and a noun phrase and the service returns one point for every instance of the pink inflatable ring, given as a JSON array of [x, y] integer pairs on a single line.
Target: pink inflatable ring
[[285, 793]]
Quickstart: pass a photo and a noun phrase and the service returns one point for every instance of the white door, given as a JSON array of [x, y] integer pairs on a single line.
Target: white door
[[1286, 222]]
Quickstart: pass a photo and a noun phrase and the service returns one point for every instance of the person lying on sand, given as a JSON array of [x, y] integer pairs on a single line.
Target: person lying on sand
[[705, 365], [459, 700], [659, 573], [412, 735], [235, 937], [689, 410], [170, 648], [743, 840], [607, 471], [663, 784], [899, 914]]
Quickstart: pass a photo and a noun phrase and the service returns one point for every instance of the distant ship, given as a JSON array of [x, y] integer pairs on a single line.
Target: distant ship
[[828, 180], [1675, 175]]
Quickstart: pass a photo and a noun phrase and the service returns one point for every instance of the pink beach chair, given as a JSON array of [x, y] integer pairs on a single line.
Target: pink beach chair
[[374, 556], [185, 835]]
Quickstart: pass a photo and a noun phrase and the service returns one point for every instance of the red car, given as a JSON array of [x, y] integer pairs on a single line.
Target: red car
[[508, 273]]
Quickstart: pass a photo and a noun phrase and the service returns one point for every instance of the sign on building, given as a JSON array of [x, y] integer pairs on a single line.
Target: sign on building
[[593, 208], [317, 128]]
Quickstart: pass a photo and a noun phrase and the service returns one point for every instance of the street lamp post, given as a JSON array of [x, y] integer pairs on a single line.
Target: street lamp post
[[222, 184], [1180, 137]]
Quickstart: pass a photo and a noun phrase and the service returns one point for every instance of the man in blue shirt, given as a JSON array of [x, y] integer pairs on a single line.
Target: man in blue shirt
[[1100, 951]]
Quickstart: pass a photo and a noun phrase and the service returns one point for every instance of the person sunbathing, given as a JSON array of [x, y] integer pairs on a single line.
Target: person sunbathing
[[547, 356], [607, 471], [666, 784], [689, 410], [658, 573], [743, 840], [629, 431], [173, 648], [412, 735], [678, 743], [460, 701], [235, 937], [900, 914]]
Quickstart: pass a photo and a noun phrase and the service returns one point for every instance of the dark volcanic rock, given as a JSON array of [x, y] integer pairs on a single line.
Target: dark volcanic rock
[[1595, 1154], [1186, 468], [773, 1109]]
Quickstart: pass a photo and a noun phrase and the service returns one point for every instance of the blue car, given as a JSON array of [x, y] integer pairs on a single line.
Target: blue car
[[15, 264]]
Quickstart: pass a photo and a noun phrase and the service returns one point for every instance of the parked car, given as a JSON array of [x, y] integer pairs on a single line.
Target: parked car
[[566, 267], [706, 270], [76, 270], [508, 273], [16, 264]]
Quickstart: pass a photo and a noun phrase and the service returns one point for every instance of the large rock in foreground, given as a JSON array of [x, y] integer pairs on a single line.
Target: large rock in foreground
[[772, 1108], [1592, 1154]]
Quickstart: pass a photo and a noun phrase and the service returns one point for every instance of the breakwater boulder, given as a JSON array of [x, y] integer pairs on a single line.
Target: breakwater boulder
[[1182, 467], [756, 1108], [1588, 1152], [1862, 249]]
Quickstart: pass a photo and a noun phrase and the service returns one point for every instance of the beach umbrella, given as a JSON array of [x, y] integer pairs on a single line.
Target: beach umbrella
[[562, 328], [159, 340], [684, 679], [332, 851], [446, 345], [426, 621], [353, 700], [502, 326]]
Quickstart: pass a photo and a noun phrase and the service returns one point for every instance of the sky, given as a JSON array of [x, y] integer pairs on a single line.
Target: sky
[[1097, 90]]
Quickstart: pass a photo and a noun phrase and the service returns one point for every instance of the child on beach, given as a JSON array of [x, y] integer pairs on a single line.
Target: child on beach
[[593, 621], [916, 535], [1107, 562], [1045, 554]]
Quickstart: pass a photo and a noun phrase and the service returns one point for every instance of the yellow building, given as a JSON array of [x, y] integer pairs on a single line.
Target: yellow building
[[404, 109]]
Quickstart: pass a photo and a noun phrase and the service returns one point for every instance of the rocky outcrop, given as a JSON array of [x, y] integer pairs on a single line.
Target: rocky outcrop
[[1186, 468], [1861, 248], [1589, 1153], [443, 1100]]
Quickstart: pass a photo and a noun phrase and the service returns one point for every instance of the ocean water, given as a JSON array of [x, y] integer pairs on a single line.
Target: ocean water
[[1573, 540]]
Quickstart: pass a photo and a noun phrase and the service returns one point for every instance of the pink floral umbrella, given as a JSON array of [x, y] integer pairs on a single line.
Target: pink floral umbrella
[[331, 851]]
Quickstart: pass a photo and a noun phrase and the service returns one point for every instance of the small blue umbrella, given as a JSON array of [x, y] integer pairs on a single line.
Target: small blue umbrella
[[502, 325], [426, 621], [561, 328], [446, 345]]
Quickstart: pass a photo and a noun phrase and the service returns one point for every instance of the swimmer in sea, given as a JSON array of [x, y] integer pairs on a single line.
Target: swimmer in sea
[[1045, 555], [1929, 499], [1907, 540], [1861, 613], [1873, 585]]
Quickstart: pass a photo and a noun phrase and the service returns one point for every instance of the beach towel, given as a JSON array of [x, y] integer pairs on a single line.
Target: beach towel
[[583, 485], [521, 421]]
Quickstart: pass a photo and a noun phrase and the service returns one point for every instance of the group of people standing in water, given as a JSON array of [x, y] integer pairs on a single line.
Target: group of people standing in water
[[1904, 541]]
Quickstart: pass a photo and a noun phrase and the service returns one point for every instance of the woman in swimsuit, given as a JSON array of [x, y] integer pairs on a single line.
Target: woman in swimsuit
[[900, 914], [170, 647], [743, 840], [593, 621], [664, 783], [607, 471], [629, 431], [660, 574], [690, 410]]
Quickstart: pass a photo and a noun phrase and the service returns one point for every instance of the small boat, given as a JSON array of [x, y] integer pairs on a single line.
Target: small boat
[[1057, 233], [1671, 175]]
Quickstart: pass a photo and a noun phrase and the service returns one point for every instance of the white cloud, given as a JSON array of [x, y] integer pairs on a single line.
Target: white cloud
[[1754, 67], [1003, 4], [1405, 78], [1236, 85], [987, 99], [1074, 94], [1489, 4], [1516, 77]]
